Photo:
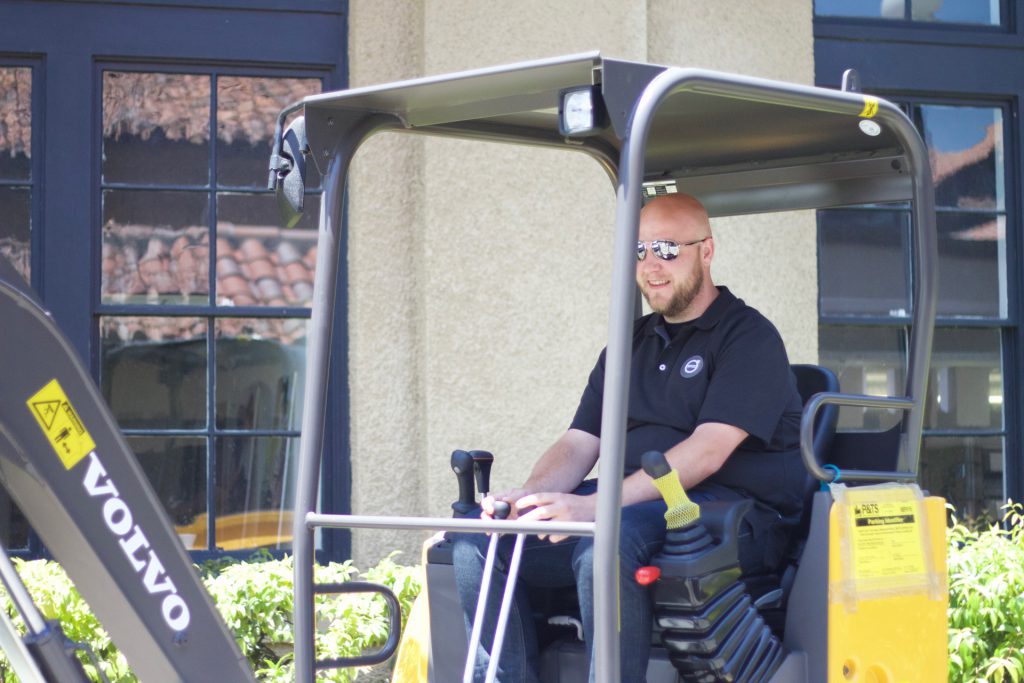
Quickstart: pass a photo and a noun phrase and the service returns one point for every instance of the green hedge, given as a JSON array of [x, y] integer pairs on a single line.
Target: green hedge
[[986, 600], [255, 599], [986, 607]]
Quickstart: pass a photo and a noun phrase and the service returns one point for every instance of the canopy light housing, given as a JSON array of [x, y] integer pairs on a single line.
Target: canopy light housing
[[581, 111]]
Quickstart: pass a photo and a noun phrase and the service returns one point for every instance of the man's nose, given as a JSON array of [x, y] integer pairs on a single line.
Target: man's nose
[[649, 263]]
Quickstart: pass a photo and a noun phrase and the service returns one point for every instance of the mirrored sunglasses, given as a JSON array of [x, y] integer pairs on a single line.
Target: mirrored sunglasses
[[666, 250]]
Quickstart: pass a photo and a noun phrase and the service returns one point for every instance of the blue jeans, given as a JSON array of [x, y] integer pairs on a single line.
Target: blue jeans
[[556, 565]]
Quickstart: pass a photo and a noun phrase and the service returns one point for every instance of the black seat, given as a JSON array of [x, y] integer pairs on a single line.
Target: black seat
[[772, 593], [816, 379], [811, 380]]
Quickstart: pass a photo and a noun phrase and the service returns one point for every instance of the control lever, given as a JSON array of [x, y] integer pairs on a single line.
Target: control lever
[[501, 511], [681, 510], [482, 461], [699, 602], [462, 465]]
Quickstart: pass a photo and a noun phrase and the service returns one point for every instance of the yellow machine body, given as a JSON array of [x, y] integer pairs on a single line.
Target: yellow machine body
[[887, 607]]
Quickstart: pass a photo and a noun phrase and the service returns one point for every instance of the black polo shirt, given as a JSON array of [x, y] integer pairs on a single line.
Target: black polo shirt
[[729, 366]]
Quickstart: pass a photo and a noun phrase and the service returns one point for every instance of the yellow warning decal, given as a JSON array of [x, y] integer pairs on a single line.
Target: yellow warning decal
[[870, 107], [886, 539], [61, 424]]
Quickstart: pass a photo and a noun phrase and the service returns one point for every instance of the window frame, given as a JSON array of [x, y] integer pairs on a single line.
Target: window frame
[[36, 170], [70, 40], [34, 546], [966, 65], [911, 30], [211, 433]]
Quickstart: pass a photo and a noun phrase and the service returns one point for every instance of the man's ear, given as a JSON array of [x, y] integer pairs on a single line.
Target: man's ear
[[707, 250]]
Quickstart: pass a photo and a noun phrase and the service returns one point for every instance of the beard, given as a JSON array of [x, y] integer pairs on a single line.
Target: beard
[[682, 296]]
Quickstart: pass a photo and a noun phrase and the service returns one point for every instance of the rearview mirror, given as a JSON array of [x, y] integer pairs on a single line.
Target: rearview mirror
[[290, 180]]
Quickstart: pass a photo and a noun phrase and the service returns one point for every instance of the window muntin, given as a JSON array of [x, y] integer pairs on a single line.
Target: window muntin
[[219, 365], [983, 12]]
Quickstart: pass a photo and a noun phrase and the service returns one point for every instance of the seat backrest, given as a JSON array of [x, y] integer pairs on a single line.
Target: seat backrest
[[811, 380]]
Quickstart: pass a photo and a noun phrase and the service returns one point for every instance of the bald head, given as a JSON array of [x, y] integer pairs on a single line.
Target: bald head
[[681, 211]]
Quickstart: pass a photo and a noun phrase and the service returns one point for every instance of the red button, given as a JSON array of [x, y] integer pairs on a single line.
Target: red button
[[645, 576]]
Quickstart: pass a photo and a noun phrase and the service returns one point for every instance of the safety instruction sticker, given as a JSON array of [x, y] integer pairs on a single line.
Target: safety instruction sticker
[[61, 424], [886, 539]]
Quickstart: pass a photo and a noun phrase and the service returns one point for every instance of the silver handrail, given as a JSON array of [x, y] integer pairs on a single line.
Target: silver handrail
[[857, 401], [503, 526]]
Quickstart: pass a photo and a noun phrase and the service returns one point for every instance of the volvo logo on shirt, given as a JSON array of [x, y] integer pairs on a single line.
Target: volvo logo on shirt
[[692, 366]]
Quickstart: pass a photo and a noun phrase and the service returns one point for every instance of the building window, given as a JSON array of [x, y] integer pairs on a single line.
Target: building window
[[18, 206], [977, 12], [864, 284], [204, 298]]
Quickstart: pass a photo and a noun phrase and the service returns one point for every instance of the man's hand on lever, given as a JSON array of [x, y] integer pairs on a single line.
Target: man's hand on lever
[[510, 497], [564, 507], [562, 467], [543, 506]]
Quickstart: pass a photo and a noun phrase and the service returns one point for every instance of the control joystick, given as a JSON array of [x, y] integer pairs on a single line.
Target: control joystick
[[462, 465]]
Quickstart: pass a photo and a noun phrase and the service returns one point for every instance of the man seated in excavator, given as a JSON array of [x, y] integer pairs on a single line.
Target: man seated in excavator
[[711, 388]]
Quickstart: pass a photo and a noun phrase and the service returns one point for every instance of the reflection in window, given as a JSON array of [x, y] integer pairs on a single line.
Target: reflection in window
[[965, 385], [15, 123], [261, 366], [255, 491], [967, 471], [156, 247], [16, 168], [259, 263], [14, 527], [985, 12], [863, 261], [153, 371], [972, 265], [247, 110], [176, 468], [156, 128], [15, 228], [867, 360], [965, 146]]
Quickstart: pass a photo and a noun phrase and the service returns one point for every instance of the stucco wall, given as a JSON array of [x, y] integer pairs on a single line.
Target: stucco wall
[[479, 272]]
